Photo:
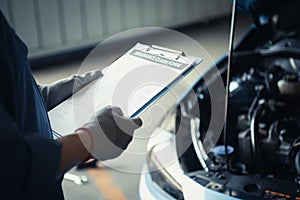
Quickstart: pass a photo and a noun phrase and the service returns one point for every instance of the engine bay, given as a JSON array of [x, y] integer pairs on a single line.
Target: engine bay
[[259, 157], [265, 114]]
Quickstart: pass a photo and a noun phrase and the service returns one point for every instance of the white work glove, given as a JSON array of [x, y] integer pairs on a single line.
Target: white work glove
[[110, 133], [59, 91]]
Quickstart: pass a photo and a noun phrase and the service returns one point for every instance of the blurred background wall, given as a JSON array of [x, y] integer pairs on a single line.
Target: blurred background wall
[[53, 27]]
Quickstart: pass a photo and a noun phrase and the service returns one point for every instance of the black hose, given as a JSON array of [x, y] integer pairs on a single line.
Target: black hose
[[297, 162], [253, 131], [294, 155]]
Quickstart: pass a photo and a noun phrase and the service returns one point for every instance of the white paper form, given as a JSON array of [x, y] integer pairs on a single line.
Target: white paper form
[[133, 82]]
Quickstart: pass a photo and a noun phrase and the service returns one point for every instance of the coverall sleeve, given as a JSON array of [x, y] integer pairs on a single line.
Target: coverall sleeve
[[27, 168]]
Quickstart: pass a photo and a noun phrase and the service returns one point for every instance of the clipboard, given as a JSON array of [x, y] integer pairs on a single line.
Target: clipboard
[[134, 82]]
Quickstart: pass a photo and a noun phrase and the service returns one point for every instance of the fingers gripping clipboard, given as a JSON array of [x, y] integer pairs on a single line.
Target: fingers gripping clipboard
[[135, 82]]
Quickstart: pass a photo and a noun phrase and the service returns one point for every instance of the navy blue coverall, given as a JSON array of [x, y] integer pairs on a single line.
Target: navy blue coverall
[[29, 156]]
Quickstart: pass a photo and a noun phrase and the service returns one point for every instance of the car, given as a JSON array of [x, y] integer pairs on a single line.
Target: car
[[257, 155]]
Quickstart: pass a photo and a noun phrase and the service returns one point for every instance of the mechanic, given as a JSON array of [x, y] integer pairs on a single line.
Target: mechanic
[[32, 162]]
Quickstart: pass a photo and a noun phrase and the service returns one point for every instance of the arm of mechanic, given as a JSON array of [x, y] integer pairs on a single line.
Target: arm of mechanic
[[71, 156]]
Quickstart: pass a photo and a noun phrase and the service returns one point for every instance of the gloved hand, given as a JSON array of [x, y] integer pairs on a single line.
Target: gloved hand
[[110, 133], [59, 91]]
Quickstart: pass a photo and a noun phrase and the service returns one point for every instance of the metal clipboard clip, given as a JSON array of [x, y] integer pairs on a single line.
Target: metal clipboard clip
[[177, 54]]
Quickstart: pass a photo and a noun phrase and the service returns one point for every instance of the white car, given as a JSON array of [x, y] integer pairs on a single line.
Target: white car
[[258, 157]]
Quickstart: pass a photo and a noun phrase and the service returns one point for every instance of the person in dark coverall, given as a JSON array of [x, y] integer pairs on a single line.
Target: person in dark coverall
[[32, 162]]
